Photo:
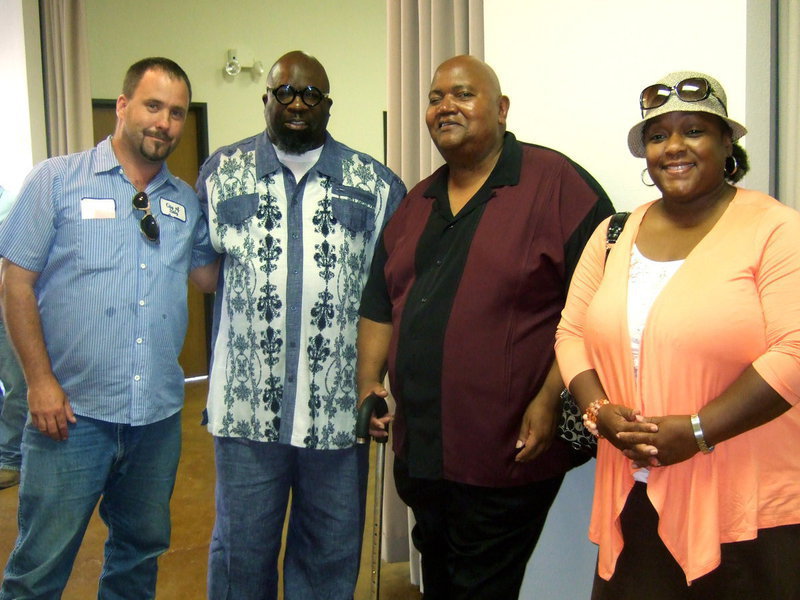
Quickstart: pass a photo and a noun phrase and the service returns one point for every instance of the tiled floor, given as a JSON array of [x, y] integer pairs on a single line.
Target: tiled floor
[[182, 570]]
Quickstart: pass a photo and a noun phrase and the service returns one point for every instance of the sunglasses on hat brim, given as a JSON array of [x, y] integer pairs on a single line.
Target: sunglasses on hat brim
[[693, 89]]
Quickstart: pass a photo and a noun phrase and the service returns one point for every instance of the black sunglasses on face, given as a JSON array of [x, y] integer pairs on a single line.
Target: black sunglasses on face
[[286, 94], [693, 89], [148, 224]]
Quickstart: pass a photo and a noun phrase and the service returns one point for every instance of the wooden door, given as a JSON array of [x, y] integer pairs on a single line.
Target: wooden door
[[185, 163]]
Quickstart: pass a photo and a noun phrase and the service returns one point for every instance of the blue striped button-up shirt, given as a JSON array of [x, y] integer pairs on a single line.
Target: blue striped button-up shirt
[[112, 303]]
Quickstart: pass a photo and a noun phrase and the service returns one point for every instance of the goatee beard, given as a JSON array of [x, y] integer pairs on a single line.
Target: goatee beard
[[160, 151], [296, 142], [158, 154]]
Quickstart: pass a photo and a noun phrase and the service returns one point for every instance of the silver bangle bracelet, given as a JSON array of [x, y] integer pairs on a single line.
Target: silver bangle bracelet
[[698, 435]]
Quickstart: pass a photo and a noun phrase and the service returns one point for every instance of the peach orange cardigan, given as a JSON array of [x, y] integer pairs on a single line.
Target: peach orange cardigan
[[734, 302]]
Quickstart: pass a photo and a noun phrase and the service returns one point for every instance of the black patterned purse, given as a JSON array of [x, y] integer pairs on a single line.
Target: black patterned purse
[[570, 426]]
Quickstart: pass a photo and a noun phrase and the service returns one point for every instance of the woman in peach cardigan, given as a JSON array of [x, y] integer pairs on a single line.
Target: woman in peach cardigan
[[683, 348]]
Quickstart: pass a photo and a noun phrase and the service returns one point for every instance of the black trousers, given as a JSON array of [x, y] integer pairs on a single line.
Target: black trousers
[[475, 541], [767, 567]]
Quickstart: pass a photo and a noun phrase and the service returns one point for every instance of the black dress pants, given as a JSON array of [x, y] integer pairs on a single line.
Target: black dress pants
[[475, 541], [766, 568]]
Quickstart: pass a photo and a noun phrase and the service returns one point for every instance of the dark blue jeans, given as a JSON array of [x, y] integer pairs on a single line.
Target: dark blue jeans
[[326, 523], [130, 470]]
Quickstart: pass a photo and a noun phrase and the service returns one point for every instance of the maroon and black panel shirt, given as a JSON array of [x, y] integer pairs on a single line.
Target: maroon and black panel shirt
[[474, 300]]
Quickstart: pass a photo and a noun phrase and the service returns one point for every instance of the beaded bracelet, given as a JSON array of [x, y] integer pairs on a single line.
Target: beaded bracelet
[[590, 416]]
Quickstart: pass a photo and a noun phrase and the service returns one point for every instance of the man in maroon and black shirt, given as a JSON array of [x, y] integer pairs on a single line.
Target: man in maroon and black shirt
[[462, 303]]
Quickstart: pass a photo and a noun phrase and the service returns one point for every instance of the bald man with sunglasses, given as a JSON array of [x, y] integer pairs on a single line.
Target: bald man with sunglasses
[[296, 215]]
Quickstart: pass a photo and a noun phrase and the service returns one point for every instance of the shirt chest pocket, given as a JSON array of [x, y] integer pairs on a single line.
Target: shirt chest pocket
[[354, 208], [175, 247], [236, 225], [106, 243], [101, 244], [237, 209]]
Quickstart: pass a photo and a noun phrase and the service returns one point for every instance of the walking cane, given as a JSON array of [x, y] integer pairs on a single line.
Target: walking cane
[[375, 403]]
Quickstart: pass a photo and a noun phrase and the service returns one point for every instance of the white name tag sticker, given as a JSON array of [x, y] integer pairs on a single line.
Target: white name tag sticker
[[173, 209], [98, 208]]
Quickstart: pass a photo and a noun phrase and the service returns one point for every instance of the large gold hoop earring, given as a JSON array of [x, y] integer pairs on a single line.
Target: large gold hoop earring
[[731, 171], [651, 184]]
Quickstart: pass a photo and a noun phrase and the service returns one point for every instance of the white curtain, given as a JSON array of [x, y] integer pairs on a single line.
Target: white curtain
[[68, 98], [788, 106], [421, 35]]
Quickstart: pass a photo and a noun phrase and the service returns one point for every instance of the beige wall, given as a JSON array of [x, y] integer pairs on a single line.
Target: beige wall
[[21, 103], [348, 36], [574, 71]]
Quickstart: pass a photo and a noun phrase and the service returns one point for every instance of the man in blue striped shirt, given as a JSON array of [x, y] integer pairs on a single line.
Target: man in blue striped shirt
[[99, 245]]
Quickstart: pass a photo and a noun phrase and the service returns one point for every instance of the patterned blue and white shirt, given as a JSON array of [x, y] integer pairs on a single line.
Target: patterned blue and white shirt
[[296, 257], [112, 303]]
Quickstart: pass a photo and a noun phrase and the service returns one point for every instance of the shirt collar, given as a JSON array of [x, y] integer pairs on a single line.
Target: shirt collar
[[505, 173], [329, 163], [105, 161]]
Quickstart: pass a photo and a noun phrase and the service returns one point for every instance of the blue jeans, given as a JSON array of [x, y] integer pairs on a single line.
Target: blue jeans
[[14, 409], [131, 468], [326, 523]]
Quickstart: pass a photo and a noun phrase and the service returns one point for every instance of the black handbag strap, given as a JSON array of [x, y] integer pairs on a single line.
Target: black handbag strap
[[615, 226]]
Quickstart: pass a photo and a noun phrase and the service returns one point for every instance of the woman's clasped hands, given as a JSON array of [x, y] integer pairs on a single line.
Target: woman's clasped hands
[[646, 441]]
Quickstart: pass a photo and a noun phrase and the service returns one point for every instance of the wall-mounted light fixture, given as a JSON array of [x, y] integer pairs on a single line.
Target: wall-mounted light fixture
[[233, 67]]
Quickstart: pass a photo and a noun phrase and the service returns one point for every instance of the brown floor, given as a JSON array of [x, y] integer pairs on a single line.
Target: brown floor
[[182, 570]]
